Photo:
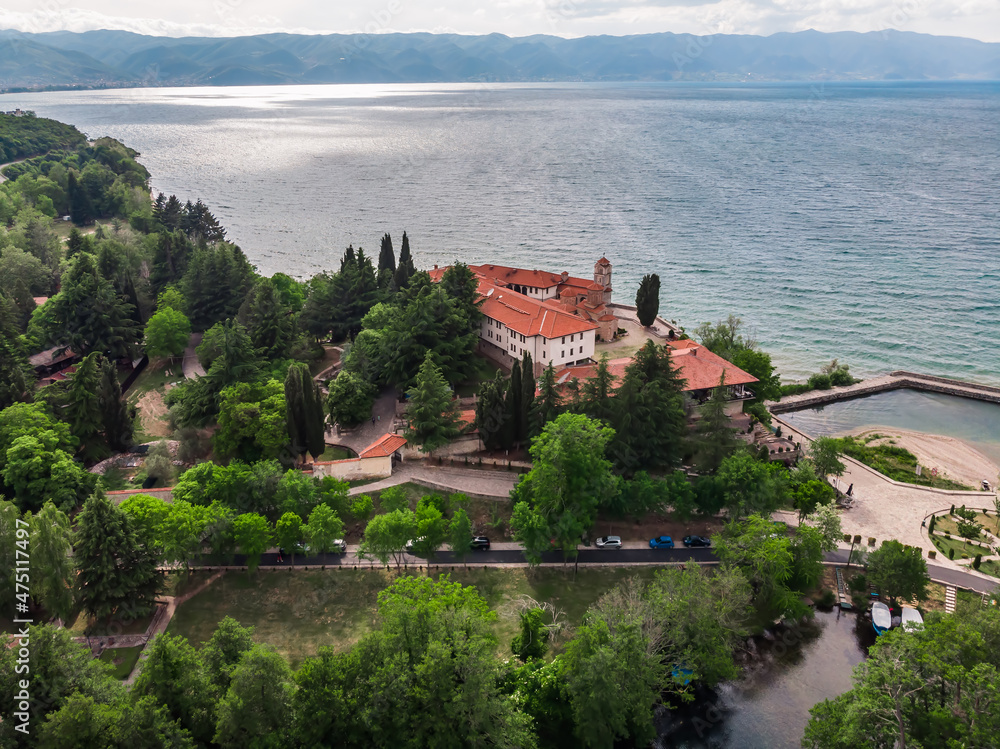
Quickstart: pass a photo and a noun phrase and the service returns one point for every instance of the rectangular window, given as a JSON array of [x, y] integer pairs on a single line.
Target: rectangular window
[[562, 354], [564, 339], [544, 354]]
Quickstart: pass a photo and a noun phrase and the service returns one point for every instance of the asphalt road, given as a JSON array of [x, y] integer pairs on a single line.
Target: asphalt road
[[587, 556]]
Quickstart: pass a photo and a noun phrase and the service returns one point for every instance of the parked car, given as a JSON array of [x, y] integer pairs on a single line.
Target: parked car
[[692, 541], [480, 543], [412, 542], [608, 542], [661, 542]]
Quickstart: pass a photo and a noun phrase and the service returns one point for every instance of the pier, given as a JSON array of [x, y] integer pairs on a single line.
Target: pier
[[892, 381]]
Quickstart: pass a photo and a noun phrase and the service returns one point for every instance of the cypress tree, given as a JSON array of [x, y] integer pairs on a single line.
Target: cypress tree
[[83, 409], [81, 210], [527, 397], [386, 255], [304, 411], [118, 576], [118, 415], [405, 268], [513, 403], [491, 412], [547, 405], [647, 299]]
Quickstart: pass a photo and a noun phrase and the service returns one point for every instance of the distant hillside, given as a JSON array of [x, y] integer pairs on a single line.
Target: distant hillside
[[115, 58]]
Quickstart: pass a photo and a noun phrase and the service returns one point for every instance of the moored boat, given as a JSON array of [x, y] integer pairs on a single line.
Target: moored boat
[[881, 618], [911, 619]]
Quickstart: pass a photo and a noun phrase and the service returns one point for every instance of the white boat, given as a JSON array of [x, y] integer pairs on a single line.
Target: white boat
[[911, 619], [881, 618]]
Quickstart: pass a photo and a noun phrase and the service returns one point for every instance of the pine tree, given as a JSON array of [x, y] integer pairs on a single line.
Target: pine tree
[[513, 404], [491, 412], [17, 378], [433, 418], [268, 321], [304, 411], [88, 315], [386, 256], [118, 415], [595, 401], [83, 409], [118, 575], [527, 397], [647, 299], [715, 437], [547, 405]]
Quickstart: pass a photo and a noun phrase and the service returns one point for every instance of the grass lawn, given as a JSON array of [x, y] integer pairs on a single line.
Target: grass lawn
[[336, 453], [123, 659], [136, 627], [485, 370], [299, 612], [893, 461], [961, 547]]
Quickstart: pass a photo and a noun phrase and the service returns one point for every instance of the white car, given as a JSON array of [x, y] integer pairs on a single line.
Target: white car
[[608, 542]]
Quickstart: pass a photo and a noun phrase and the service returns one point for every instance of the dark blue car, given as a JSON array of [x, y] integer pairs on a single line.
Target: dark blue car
[[661, 542]]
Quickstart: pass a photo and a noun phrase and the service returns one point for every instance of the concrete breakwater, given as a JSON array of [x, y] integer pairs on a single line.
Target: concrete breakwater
[[892, 381]]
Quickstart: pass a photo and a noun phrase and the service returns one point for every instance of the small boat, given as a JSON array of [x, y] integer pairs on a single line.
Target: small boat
[[911, 619], [881, 618]]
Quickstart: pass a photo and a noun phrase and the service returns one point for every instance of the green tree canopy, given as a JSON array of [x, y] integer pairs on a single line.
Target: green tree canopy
[[432, 415], [898, 571], [350, 400], [167, 333], [570, 479]]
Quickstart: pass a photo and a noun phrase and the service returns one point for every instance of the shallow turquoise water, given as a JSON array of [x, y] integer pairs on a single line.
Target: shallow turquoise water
[[975, 422], [850, 220]]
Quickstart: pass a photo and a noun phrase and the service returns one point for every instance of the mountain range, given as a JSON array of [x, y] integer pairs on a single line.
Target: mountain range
[[121, 58]]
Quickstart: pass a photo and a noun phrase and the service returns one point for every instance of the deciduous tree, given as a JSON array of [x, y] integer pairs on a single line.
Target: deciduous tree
[[52, 561], [898, 571]]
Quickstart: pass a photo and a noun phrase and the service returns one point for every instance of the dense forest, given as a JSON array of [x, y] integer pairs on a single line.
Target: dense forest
[[28, 135]]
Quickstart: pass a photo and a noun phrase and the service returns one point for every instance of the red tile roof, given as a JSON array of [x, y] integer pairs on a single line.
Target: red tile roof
[[529, 317], [384, 446], [700, 368]]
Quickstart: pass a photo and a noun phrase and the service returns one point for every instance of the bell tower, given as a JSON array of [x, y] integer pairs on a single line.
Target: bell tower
[[602, 276]]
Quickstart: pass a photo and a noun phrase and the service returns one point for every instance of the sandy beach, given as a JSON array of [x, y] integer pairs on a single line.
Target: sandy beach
[[952, 457]]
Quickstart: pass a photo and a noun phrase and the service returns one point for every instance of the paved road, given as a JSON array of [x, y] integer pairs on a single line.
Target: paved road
[[590, 556]]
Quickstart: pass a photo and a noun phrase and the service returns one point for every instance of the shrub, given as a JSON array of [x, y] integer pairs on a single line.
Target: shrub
[[930, 527], [777, 431], [953, 509], [932, 555], [977, 561], [819, 382], [858, 583], [951, 553], [871, 541], [841, 376], [826, 599], [847, 538]]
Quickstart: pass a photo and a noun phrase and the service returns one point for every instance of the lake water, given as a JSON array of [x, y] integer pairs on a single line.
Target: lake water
[[769, 707], [850, 220], [975, 422]]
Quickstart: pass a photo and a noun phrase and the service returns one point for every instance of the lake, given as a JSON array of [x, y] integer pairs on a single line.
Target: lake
[[974, 422], [850, 220]]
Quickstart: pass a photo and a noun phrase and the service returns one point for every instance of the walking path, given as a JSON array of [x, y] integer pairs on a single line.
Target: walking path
[[885, 509], [192, 367], [891, 381], [384, 411]]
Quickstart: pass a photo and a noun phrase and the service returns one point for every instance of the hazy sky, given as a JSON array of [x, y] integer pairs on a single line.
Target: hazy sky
[[979, 19]]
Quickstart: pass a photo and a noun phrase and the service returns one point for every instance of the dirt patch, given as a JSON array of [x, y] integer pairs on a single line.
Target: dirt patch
[[153, 414], [628, 344]]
